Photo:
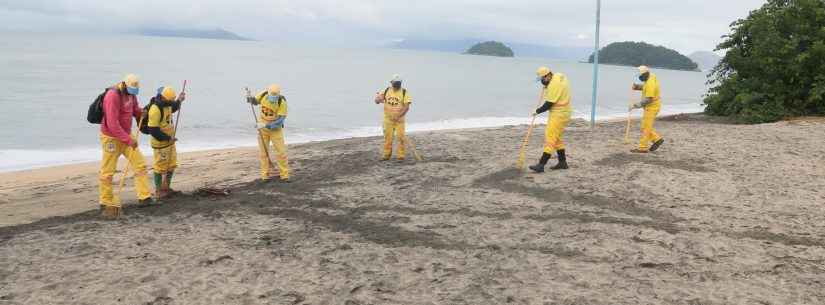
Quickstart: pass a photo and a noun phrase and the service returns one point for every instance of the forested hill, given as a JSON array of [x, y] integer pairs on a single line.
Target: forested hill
[[490, 48], [639, 53]]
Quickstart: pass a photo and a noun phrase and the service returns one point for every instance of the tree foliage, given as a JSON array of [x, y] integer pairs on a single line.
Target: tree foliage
[[635, 54], [490, 48], [774, 66]]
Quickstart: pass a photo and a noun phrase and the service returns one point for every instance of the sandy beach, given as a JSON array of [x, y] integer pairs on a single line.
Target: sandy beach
[[722, 214]]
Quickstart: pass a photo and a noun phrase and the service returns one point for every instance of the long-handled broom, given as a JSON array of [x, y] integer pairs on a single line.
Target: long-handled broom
[[116, 200], [627, 129], [261, 144], [412, 147], [180, 109], [522, 155]]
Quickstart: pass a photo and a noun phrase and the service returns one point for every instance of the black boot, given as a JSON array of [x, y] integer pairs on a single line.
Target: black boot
[[539, 168], [656, 144], [562, 161]]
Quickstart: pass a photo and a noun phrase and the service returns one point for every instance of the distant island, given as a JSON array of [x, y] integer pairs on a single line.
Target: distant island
[[522, 49], [639, 53], [490, 48], [705, 59], [218, 33]]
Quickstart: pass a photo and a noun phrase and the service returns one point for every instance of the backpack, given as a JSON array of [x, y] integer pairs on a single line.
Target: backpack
[[144, 117], [403, 93], [95, 113]]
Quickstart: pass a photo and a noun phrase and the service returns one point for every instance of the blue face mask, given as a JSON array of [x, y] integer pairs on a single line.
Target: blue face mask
[[133, 90], [274, 98], [644, 77]]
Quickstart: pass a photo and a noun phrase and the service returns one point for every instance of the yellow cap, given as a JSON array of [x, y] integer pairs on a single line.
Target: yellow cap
[[274, 89], [168, 93], [132, 80], [543, 71], [644, 69]]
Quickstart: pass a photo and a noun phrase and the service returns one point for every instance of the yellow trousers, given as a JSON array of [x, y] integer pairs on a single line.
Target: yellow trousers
[[395, 129], [276, 139], [554, 133], [649, 134], [112, 150], [165, 159]]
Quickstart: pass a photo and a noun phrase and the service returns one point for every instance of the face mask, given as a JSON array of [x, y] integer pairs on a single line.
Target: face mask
[[274, 98], [396, 85], [133, 90], [644, 77]]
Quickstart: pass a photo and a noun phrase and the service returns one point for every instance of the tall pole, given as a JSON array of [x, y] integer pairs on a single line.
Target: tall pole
[[596, 64]]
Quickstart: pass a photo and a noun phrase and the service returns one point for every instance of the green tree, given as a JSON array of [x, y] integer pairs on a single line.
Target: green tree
[[490, 48], [635, 54], [774, 66]]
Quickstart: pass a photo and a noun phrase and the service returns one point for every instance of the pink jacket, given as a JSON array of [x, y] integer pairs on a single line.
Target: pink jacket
[[119, 109]]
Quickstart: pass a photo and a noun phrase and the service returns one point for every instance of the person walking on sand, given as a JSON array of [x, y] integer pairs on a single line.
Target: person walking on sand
[[651, 102], [271, 127], [557, 100], [396, 102], [159, 125], [120, 106]]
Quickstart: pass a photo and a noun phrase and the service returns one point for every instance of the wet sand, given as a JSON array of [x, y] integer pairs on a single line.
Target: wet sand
[[722, 214]]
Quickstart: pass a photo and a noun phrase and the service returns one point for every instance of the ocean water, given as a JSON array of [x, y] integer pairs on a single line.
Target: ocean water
[[48, 81]]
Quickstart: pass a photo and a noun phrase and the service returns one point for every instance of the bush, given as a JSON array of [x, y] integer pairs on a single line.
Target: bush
[[774, 66]]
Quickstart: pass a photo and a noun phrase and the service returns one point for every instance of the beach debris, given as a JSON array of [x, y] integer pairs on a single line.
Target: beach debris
[[297, 298], [210, 262], [207, 191]]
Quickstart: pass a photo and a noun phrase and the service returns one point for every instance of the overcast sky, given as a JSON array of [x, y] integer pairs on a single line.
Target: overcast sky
[[685, 25]]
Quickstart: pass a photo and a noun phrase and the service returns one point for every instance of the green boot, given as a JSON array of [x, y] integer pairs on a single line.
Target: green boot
[[168, 189], [158, 185]]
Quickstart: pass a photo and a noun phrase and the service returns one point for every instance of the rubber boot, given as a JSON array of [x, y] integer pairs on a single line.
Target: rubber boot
[[168, 187], [111, 212], [656, 144], [562, 161], [158, 185], [539, 168]]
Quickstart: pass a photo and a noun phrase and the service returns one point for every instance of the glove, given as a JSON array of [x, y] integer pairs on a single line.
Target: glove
[[260, 125], [636, 106]]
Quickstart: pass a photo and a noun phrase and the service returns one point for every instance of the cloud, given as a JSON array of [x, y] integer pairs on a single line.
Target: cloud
[[686, 25]]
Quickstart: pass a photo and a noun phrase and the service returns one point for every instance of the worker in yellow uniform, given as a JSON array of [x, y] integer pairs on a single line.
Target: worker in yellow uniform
[[162, 130], [557, 100], [651, 102], [271, 126], [120, 107], [396, 102]]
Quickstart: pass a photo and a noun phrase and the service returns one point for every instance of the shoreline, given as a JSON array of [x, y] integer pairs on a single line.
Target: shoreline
[[411, 129]]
